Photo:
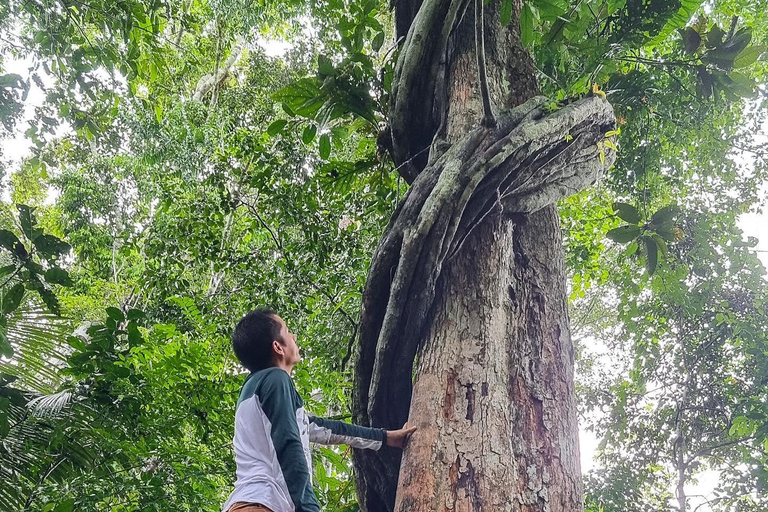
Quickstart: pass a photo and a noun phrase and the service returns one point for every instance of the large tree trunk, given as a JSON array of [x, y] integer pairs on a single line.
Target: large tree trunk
[[493, 396], [470, 275]]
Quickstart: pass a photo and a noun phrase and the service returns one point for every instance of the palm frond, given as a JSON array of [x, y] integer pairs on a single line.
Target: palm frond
[[38, 338], [50, 406]]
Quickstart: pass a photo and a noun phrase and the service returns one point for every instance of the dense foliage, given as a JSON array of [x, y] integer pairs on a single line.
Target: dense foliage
[[179, 176]]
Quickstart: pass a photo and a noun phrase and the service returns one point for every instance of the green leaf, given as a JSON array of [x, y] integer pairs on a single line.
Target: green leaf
[[631, 249], [276, 127], [12, 298], [325, 146], [288, 110], [115, 314], [686, 11], [748, 56], [48, 297], [49, 245], [661, 244], [309, 133], [6, 270], [741, 85], [506, 12], [627, 212], [135, 314], [378, 41], [302, 97], [56, 275], [65, 506], [623, 234], [325, 66], [665, 215], [134, 335], [27, 221], [691, 39], [526, 24], [8, 240], [551, 10], [6, 350], [76, 343], [651, 254], [715, 37]]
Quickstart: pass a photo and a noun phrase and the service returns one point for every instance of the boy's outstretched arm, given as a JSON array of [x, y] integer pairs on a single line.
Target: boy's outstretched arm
[[325, 431]]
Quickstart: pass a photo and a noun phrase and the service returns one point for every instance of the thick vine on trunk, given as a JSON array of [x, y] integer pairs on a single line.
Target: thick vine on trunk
[[470, 275]]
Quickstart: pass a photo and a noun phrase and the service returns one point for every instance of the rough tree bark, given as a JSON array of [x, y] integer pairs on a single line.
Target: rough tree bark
[[470, 276]]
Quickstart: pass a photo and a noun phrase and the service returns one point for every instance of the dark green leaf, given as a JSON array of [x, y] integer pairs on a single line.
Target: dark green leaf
[[56, 275], [134, 335], [526, 24], [8, 240], [49, 245], [378, 41], [691, 39], [715, 37], [27, 221], [34, 267], [651, 254], [665, 215], [7, 270], [666, 232], [506, 12], [325, 146], [303, 97], [65, 506], [325, 66], [135, 314], [12, 298], [50, 300], [288, 110], [661, 244], [5, 346], [623, 234], [627, 212], [308, 135], [76, 343], [631, 249], [115, 314], [276, 127]]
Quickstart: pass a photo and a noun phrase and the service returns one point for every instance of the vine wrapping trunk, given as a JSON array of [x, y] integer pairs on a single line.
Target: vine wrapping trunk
[[470, 276]]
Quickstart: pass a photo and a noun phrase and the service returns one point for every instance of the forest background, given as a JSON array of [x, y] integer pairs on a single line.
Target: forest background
[[163, 174]]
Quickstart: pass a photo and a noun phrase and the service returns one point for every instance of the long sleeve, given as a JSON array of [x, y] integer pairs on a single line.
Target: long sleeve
[[324, 431], [277, 396]]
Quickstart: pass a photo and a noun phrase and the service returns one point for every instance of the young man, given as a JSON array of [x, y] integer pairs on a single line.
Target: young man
[[272, 430]]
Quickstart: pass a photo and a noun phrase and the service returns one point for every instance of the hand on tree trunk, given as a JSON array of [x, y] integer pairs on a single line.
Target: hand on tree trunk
[[399, 438]]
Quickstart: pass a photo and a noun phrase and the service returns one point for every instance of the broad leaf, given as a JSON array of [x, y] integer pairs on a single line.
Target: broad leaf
[[627, 212], [651, 254], [623, 234]]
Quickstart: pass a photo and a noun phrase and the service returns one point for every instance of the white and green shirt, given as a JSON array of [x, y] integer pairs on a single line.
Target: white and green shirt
[[272, 436]]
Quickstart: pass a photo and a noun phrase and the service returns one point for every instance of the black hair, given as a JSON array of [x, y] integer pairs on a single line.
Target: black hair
[[252, 339]]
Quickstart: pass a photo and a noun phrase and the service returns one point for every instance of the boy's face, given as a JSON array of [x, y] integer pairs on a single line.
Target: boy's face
[[287, 349]]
